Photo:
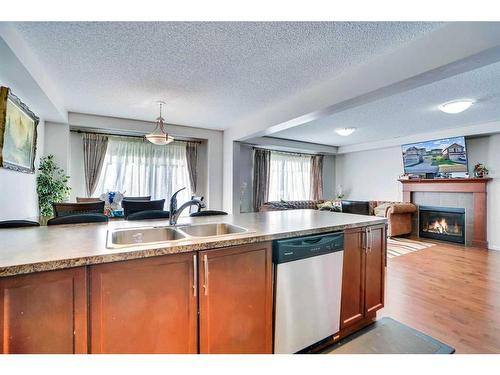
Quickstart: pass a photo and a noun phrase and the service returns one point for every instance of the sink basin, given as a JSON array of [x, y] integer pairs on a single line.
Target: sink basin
[[139, 236], [208, 230]]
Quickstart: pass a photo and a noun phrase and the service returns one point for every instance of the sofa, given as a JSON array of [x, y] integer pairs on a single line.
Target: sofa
[[398, 214]]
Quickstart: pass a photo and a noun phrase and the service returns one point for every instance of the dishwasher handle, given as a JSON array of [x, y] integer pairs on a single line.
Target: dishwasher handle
[[306, 247]]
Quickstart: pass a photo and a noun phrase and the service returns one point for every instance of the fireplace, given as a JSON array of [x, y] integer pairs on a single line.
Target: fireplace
[[442, 223]]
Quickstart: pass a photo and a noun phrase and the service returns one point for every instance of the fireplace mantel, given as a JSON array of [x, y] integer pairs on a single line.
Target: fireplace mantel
[[476, 186]]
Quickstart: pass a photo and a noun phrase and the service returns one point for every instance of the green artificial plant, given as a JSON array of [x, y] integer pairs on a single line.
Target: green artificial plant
[[51, 185]]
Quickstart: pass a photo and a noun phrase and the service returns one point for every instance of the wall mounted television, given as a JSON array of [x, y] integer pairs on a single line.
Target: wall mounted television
[[447, 155]]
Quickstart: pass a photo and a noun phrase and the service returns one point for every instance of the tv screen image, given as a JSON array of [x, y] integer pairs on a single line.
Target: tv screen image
[[446, 155]]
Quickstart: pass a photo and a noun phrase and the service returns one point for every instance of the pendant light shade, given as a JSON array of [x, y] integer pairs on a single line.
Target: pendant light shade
[[159, 136]]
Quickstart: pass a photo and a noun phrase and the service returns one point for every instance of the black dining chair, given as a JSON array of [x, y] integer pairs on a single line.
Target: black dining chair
[[65, 209], [18, 224], [133, 206], [78, 219]]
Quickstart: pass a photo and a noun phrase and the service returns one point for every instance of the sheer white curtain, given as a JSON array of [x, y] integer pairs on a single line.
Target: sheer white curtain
[[290, 176], [140, 168]]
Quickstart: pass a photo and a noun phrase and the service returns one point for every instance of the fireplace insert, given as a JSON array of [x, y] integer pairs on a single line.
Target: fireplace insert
[[442, 223]]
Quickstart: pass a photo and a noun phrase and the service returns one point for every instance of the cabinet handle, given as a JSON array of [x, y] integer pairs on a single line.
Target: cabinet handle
[[205, 263], [364, 240], [371, 239], [195, 275]]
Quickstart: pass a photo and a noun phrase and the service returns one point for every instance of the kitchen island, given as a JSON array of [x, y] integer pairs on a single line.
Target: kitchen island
[[62, 290]]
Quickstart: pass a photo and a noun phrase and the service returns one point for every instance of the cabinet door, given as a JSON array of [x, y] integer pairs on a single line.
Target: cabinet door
[[375, 268], [144, 306], [352, 301], [236, 299], [44, 312]]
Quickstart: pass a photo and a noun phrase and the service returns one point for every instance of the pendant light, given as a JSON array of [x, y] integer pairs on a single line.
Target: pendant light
[[159, 136]]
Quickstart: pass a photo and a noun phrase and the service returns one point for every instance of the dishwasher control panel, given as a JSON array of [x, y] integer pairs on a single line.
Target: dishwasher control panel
[[305, 247]]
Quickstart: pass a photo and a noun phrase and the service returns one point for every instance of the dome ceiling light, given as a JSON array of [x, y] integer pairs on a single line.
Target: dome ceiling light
[[456, 106], [159, 136], [344, 132]]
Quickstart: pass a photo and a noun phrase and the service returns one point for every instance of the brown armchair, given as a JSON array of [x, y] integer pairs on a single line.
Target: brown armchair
[[399, 216]]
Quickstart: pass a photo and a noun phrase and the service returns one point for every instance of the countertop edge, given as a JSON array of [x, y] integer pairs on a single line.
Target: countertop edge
[[154, 250]]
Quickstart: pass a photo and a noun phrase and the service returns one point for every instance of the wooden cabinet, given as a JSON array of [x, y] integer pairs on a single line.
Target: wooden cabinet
[[353, 274], [363, 274], [375, 268], [145, 306], [236, 299], [44, 312]]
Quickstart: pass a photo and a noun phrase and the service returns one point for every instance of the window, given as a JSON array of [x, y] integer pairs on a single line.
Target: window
[[140, 168], [290, 176]]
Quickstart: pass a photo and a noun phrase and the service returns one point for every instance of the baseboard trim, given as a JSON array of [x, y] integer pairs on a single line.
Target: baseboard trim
[[494, 247]]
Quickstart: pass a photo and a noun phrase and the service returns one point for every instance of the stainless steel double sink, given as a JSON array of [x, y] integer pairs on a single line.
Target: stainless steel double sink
[[119, 238]]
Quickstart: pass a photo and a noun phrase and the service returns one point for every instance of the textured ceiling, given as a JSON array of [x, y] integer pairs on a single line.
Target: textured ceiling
[[410, 113], [210, 74]]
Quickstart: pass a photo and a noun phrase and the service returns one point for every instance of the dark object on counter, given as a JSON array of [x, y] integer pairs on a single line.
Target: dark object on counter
[[133, 206], [78, 219], [65, 209], [356, 207], [145, 198], [149, 214], [388, 336], [208, 213], [18, 224]]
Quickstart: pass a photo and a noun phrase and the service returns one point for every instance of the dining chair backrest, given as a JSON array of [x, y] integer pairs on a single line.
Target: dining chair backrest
[[148, 215], [133, 206], [195, 208], [87, 200], [145, 198], [64, 209]]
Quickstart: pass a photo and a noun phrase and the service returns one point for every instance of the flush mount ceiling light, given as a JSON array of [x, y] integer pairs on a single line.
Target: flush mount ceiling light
[[456, 106], [159, 136], [344, 132]]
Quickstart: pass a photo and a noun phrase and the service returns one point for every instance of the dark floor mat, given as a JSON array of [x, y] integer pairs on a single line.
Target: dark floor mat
[[387, 336]]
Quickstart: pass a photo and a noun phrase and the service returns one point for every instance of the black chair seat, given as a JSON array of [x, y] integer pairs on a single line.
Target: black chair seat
[[149, 214], [208, 213], [18, 223], [78, 219]]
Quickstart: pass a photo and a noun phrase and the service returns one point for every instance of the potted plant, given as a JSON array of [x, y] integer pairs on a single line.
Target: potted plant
[[480, 170], [51, 186]]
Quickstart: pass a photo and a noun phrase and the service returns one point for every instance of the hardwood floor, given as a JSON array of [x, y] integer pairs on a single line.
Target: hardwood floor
[[451, 293]]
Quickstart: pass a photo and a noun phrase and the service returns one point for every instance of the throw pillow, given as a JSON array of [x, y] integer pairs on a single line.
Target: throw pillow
[[380, 210], [325, 205]]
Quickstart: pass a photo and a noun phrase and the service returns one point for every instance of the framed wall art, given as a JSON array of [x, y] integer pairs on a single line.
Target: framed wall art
[[18, 133]]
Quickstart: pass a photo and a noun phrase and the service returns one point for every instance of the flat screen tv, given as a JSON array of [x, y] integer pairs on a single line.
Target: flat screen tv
[[446, 155]]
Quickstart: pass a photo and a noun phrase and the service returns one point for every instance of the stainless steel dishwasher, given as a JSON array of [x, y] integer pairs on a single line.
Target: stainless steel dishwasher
[[308, 288]]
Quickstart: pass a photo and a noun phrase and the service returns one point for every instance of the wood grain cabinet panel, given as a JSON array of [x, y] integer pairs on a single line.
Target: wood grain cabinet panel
[[236, 299], [363, 274], [375, 269], [144, 306], [44, 312], [353, 302]]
